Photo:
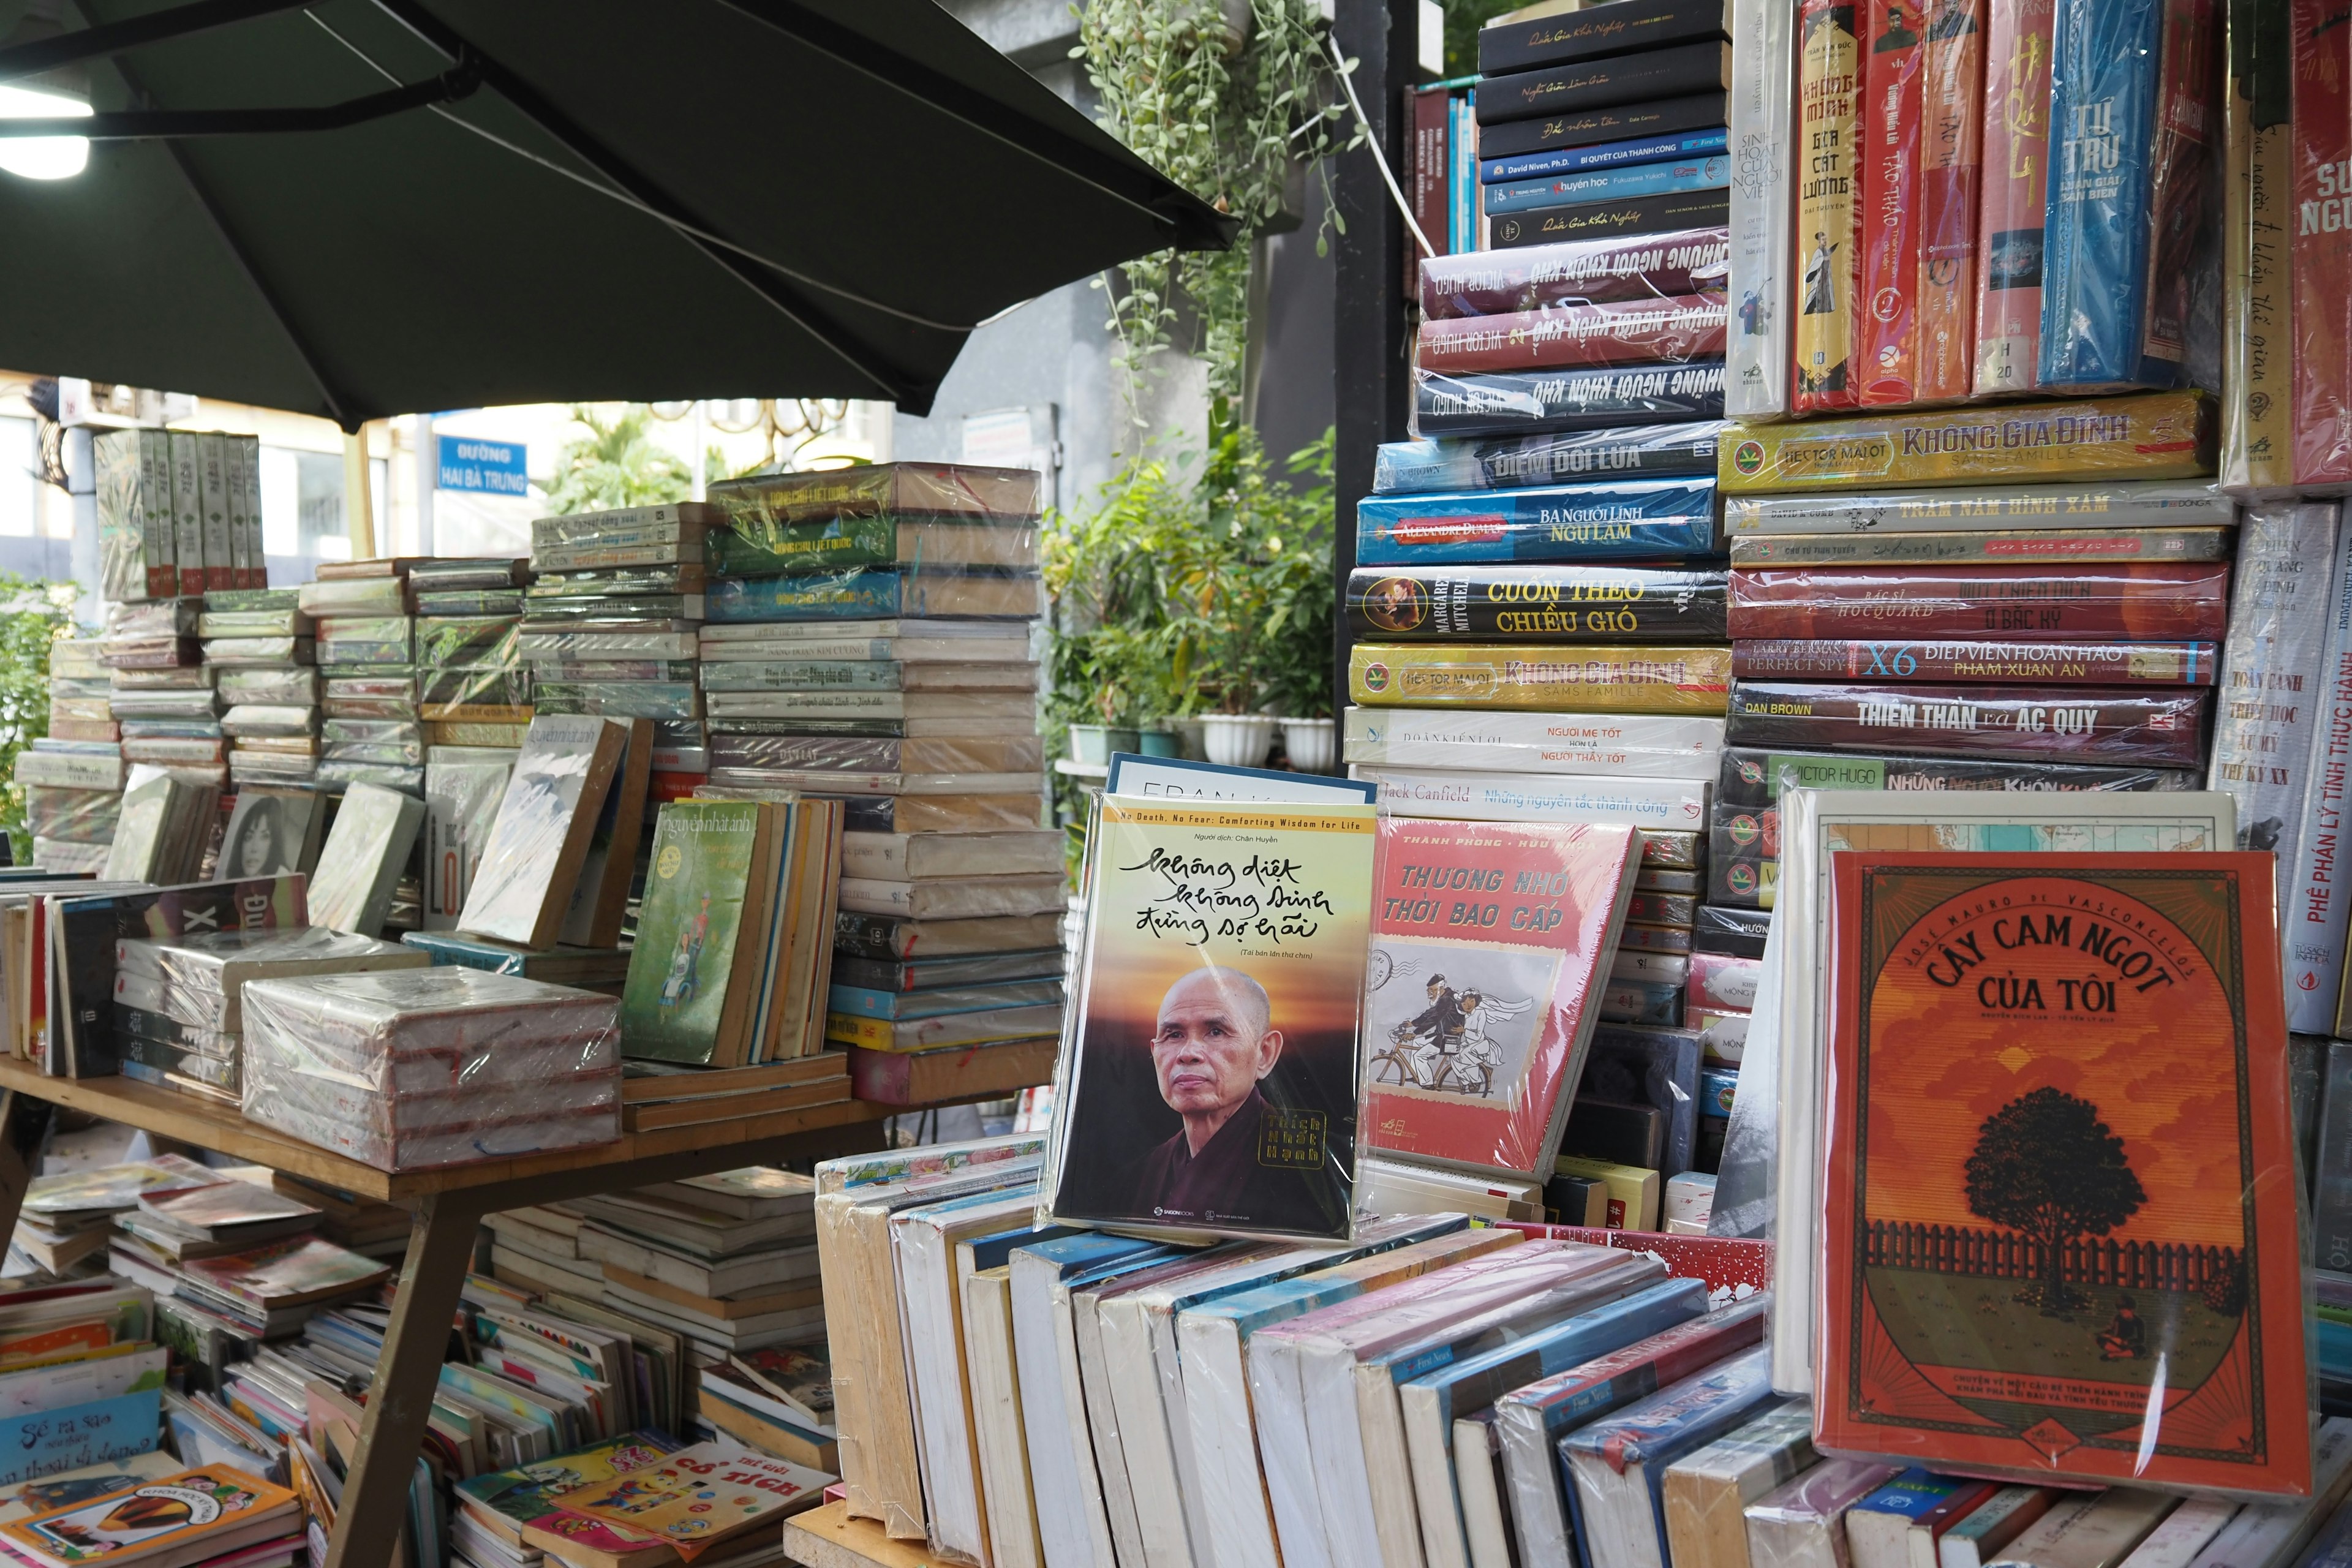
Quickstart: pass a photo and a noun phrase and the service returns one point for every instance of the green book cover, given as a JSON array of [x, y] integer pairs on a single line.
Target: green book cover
[[701, 870], [765, 548]]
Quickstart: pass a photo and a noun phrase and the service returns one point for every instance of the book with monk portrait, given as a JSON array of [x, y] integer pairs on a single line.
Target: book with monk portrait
[[1208, 1079], [2059, 1215]]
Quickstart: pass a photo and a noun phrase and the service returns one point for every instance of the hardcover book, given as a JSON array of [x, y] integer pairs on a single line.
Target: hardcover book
[[1514, 404], [2104, 1299], [1654, 452], [524, 880], [1487, 952], [1674, 330], [2159, 436], [1208, 1077], [1672, 71], [1828, 240], [1517, 46], [2016, 177], [1584, 158], [1632, 519], [1710, 172], [1951, 166], [1625, 217], [2095, 724], [2312, 919], [2013, 604], [2076, 544], [1671, 679], [711, 876], [366, 854], [1569, 603], [2026, 663], [1892, 198], [1619, 124]]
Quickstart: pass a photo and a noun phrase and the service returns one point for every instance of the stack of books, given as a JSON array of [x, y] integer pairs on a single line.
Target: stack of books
[[472, 687], [651, 1515], [366, 653], [179, 515], [362, 1064], [174, 723], [871, 640], [258, 652], [65, 1218], [179, 1016], [727, 1261], [214, 1514], [72, 777], [609, 624]]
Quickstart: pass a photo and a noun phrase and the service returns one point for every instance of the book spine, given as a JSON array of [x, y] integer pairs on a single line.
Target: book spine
[[1405, 467], [1671, 72], [2180, 182], [1505, 46], [1941, 549], [1699, 114], [1669, 331], [834, 596], [2322, 138], [249, 454], [240, 538], [2268, 379], [2010, 507], [2312, 917], [2091, 725], [1504, 282], [1887, 161], [1607, 156], [2026, 604], [1456, 124], [188, 512], [1635, 519], [1601, 679], [1431, 157], [2331, 1201], [1945, 335], [220, 567], [2104, 76], [1565, 604], [1827, 242], [1636, 216], [1763, 119], [1664, 178], [2016, 179], [2060, 664], [830, 546], [1510, 405]]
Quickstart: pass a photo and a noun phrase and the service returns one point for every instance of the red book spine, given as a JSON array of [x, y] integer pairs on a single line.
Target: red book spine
[[2013, 604], [2187, 110], [1893, 61], [2322, 201], [2085, 725], [1945, 339], [2016, 181], [1671, 332], [1431, 158], [2054, 663]]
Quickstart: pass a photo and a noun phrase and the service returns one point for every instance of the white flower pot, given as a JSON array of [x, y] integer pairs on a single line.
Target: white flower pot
[[1310, 743], [1237, 739]]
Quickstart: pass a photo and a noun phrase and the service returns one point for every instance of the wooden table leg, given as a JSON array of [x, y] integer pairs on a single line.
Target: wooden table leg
[[375, 1494], [23, 1128]]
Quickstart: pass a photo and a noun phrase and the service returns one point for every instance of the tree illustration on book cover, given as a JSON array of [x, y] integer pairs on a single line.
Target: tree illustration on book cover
[[2061, 1225]]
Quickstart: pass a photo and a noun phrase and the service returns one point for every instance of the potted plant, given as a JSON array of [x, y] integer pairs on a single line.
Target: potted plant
[[1294, 646]]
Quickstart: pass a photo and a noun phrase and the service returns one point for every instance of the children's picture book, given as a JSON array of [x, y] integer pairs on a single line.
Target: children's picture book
[[694, 1499], [1490, 944], [1208, 1072], [185, 1517], [2059, 1242]]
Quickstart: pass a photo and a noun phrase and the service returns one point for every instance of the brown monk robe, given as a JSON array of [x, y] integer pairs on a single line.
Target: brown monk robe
[[1213, 1046]]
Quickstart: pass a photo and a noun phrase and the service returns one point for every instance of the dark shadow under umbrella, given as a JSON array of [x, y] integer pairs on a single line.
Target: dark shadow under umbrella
[[357, 208]]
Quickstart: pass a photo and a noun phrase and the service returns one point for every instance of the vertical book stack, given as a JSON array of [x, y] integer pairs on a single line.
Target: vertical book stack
[[259, 645], [72, 777]]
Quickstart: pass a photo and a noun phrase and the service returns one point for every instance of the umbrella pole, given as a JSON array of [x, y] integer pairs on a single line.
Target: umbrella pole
[[359, 508]]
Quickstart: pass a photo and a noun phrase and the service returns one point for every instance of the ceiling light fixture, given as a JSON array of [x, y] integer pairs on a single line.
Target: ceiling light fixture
[[61, 93]]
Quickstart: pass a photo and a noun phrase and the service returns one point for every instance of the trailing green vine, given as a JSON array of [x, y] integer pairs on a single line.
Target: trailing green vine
[[1222, 97]]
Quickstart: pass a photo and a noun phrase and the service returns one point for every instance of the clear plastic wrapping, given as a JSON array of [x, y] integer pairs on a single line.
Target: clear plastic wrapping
[[368, 640], [1563, 601], [267, 719], [274, 651], [1541, 677], [949, 489], [356, 597], [1527, 403], [1531, 277], [536, 646], [474, 572], [397, 741], [270, 767], [339, 771], [72, 815], [619, 699], [191, 729], [1802, 1523], [1676, 329], [475, 686], [835, 543], [150, 653], [72, 770], [201, 977], [175, 677], [2158, 727], [471, 602], [2155, 436], [171, 751], [433, 1067], [466, 639], [2186, 603], [277, 688], [862, 593], [1629, 745], [81, 656], [80, 710], [1508, 462], [857, 753], [546, 614], [1627, 519], [253, 624], [164, 704], [617, 580], [161, 618]]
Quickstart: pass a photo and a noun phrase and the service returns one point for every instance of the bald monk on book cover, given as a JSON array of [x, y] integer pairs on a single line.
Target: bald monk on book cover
[[1236, 1160]]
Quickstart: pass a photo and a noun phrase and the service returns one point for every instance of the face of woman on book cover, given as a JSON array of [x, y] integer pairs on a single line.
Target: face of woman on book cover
[[1213, 1042]]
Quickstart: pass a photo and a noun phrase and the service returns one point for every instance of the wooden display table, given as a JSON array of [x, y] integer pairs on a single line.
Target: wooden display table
[[448, 1206]]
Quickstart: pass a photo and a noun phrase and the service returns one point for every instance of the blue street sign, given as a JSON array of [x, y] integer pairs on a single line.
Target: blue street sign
[[470, 463]]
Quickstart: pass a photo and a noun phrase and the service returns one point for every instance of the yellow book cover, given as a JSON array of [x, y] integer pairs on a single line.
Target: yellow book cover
[[1541, 677], [2155, 436], [154, 1519]]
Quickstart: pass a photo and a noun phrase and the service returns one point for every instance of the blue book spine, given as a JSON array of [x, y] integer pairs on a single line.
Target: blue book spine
[[861, 594], [48, 1442], [1604, 155], [2106, 66], [1565, 522], [1676, 175]]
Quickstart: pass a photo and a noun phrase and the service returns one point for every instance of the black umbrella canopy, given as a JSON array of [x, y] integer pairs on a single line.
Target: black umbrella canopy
[[609, 199]]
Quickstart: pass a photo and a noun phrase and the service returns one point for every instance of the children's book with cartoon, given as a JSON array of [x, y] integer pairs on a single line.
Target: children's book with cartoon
[[186, 1517], [2059, 1233]]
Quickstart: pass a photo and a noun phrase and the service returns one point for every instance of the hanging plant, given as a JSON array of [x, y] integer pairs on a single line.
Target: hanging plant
[[1223, 97]]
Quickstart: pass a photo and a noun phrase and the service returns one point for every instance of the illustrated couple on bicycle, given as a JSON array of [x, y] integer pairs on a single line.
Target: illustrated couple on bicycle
[[1446, 1046]]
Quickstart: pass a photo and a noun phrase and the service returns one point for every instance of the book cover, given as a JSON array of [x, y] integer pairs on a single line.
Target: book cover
[[2312, 917], [2056, 663], [1623, 520], [1952, 151], [155, 1518], [759, 503], [1631, 746], [2016, 175], [1625, 217], [1618, 1464], [1523, 45], [1671, 679], [2158, 436], [1621, 124], [1666, 176], [694, 1500], [1986, 545], [1672, 71], [2096, 725], [599, 896], [463, 789], [1893, 197], [1488, 943], [188, 513], [1208, 1075], [532, 862], [286, 1273], [1828, 240], [1674, 330], [684, 1000], [2181, 190], [1535, 603], [505, 1500], [272, 831], [2264, 381], [1583, 158], [1512, 404], [1512, 463], [2103, 1299], [2321, 136], [1764, 133], [2151, 603], [365, 855]]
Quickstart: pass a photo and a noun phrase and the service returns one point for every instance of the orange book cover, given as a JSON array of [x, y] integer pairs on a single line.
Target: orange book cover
[[2059, 1200]]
